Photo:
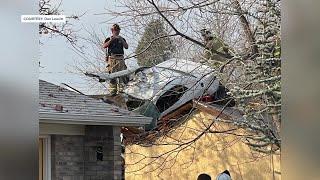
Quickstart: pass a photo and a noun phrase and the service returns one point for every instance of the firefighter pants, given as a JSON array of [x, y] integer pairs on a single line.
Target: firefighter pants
[[115, 64]]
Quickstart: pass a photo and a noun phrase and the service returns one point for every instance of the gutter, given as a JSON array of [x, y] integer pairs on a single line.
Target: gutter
[[84, 119]]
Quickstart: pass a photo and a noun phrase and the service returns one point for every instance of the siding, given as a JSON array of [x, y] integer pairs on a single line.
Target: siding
[[211, 154]]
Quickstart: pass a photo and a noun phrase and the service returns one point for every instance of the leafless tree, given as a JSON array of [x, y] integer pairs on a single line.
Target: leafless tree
[[66, 30], [251, 28]]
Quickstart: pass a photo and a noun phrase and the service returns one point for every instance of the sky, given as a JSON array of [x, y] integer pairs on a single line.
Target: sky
[[56, 55]]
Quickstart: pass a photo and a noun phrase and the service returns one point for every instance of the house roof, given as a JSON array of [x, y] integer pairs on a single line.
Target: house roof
[[60, 105]]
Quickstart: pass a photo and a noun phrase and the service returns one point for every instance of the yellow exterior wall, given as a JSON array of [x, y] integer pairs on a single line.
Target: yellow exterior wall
[[211, 154]]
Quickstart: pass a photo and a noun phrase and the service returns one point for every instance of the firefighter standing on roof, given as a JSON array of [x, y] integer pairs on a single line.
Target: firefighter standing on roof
[[115, 58], [215, 45]]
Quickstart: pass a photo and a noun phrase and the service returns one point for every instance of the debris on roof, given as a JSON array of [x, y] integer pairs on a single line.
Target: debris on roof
[[177, 117], [59, 105], [228, 113], [168, 93], [51, 95]]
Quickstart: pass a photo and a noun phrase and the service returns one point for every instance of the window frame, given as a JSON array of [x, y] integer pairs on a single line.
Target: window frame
[[46, 156]]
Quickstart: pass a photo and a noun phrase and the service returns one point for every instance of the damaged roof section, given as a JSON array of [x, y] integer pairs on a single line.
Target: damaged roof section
[[178, 117], [166, 92], [60, 105]]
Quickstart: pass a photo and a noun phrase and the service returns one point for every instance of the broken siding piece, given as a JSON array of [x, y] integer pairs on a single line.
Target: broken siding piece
[[227, 113]]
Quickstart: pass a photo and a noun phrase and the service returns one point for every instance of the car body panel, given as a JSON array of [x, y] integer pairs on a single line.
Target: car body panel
[[151, 83]]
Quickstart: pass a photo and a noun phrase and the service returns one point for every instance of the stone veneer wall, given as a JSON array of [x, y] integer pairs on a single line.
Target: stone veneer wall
[[67, 157], [74, 157]]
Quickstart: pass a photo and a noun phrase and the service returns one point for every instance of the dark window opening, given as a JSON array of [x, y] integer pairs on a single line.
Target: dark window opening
[[221, 97], [134, 103], [99, 153], [170, 97]]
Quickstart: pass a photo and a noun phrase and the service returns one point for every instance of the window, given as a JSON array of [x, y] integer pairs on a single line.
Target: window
[[134, 103], [44, 158], [170, 97]]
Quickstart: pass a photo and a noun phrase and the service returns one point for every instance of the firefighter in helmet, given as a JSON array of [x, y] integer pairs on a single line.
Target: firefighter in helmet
[[216, 49]]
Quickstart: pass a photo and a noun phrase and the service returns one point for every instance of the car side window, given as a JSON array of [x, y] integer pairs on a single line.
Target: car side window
[[170, 97]]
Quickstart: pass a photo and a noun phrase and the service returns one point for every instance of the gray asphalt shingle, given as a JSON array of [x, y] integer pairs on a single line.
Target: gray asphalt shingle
[[77, 108]]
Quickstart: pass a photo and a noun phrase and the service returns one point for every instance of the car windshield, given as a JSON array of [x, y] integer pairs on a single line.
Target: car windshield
[[150, 110]]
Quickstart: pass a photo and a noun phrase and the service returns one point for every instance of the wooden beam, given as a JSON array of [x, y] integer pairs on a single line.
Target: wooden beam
[[214, 110], [180, 111]]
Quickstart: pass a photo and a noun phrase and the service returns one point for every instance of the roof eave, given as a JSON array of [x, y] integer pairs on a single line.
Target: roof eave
[[93, 120]]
